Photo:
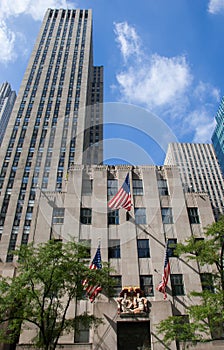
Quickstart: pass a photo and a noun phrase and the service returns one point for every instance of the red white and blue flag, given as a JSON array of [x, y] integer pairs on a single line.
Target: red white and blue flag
[[166, 272], [93, 290], [122, 198]]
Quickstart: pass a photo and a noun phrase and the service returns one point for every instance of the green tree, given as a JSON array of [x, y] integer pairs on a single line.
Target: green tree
[[48, 279], [208, 315]]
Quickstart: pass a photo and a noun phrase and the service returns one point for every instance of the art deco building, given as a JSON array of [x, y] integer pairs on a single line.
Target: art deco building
[[53, 185], [199, 171], [7, 100], [218, 135]]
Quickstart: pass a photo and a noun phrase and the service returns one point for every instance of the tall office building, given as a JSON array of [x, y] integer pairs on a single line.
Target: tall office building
[[199, 171], [218, 135], [7, 100], [56, 121], [53, 185]]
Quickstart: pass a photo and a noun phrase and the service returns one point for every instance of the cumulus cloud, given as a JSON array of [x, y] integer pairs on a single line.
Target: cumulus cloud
[[166, 86], [216, 6], [9, 9], [152, 80]]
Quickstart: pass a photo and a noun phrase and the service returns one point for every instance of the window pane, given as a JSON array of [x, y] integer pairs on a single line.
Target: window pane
[[146, 284], [114, 249], [117, 285], [207, 282], [172, 243], [58, 215], [193, 215], [112, 187], [162, 187], [177, 284], [140, 216], [167, 216], [86, 216], [137, 187], [143, 248], [113, 217]]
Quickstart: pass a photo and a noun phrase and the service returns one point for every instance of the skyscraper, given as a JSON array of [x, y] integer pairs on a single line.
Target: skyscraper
[[199, 170], [56, 121], [218, 135], [7, 100]]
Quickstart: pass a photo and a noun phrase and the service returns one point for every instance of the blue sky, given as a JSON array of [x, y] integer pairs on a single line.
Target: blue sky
[[163, 64]]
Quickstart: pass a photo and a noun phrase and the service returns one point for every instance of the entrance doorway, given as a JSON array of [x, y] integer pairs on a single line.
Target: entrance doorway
[[133, 335]]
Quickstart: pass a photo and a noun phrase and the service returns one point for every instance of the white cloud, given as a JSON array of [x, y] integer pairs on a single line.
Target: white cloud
[[10, 9], [154, 80], [7, 40], [34, 8], [216, 6], [127, 39], [203, 90], [201, 122]]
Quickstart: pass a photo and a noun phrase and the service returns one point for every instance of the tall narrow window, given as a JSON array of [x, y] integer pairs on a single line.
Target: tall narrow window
[[137, 187], [207, 282], [86, 216], [113, 217], [143, 248], [58, 215], [114, 249], [117, 285], [167, 216], [146, 284], [112, 187], [140, 216], [193, 215], [177, 284], [172, 243], [162, 187]]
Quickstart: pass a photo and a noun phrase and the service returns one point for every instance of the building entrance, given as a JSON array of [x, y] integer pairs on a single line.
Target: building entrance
[[133, 335]]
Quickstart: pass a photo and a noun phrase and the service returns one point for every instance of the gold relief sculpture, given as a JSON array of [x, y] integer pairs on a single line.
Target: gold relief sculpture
[[132, 301]]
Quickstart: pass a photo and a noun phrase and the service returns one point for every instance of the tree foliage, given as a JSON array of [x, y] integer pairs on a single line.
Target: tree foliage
[[48, 279], [208, 315]]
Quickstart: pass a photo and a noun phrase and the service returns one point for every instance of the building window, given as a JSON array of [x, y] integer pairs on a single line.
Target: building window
[[82, 334], [58, 215], [86, 216], [113, 217], [117, 286], [143, 248], [193, 215], [146, 284], [114, 249], [162, 187], [140, 216], [172, 243], [177, 284], [137, 187], [207, 282], [167, 216], [112, 187]]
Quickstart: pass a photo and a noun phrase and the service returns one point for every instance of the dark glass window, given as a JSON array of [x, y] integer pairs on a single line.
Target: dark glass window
[[146, 284], [114, 249], [193, 215], [117, 285], [167, 216], [162, 187], [82, 334], [207, 282], [113, 217], [172, 243], [86, 216], [177, 284], [87, 187], [143, 248]]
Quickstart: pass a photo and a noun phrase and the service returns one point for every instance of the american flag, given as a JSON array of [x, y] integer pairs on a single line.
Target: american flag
[[93, 290], [122, 198], [166, 272]]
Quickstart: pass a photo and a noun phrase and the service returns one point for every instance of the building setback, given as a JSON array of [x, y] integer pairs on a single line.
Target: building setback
[[7, 100], [218, 135], [199, 171], [53, 186]]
